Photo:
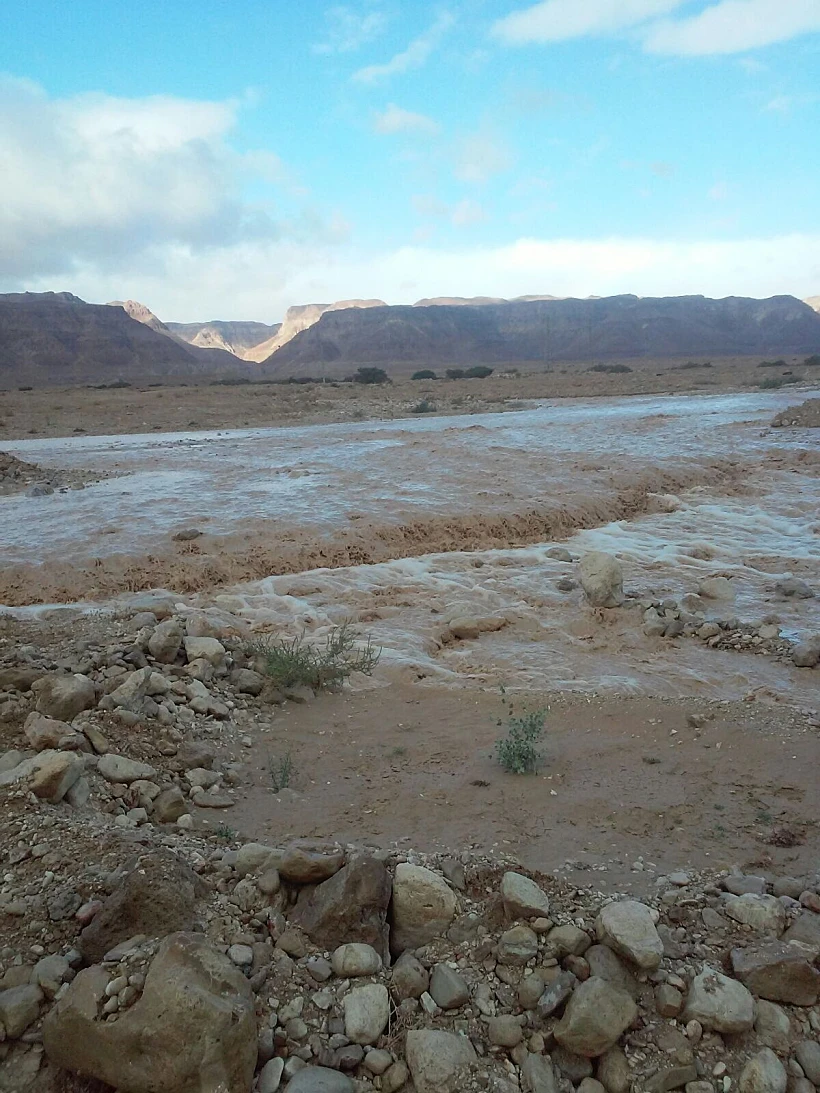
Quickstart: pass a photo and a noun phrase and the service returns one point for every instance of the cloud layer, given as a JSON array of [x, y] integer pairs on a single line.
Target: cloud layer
[[414, 56]]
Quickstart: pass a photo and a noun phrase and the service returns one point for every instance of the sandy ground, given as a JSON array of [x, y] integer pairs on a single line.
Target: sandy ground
[[79, 410]]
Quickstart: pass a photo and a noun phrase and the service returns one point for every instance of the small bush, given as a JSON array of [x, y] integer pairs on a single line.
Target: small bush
[[771, 383], [478, 372], [424, 374], [424, 407], [371, 375], [293, 662], [611, 368], [231, 381], [25, 388], [811, 362], [454, 373], [281, 772], [689, 365], [772, 364], [518, 752]]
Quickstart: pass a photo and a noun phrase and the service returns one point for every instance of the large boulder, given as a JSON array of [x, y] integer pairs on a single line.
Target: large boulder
[[719, 1003], [760, 911], [439, 1061], [193, 1030], [629, 929], [307, 862], [423, 907], [350, 906], [63, 697], [157, 896], [778, 971], [596, 1016], [602, 579], [44, 733]]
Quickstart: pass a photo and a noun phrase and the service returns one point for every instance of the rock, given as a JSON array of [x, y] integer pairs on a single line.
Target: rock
[[133, 692], [63, 697], [604, 963], [44, 733], [448, 989], [54, 773], [355, 959], [169, 805], [590, 1085], [205, 649], [568, 941], [504, 1031], [256, 858], [763, 1073], [672, 1077], [716, 588], [740, 884], [19, 678], [614, 1072], [522, 898], [517, 946], [807, 1053], [320, 1079], [761, 912], [668, 1002], [195, 753], [719, 1003], [596, 1016], [247, 682], [49, 973], [556, 994], [467, 628], [805, 929], [772, 1026], [19, 1007], [306, 862], [156, 897], [196, 1012], [629, 929], [118, 768], [778, 971], [409, 978], [270, 1076], [806, 654], [538, 1075], [367, 1011], [439, 1061], [166, 641], [351, 906], [793, 587], [602, 579], [423, 907]]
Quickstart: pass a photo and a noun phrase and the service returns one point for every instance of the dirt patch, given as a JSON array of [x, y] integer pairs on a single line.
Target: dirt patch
[[17, 476], [804, 416]]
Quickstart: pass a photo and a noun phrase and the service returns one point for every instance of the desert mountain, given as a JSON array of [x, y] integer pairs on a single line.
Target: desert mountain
[[813, 302], [476, 301], [212, 356], [55, 338], [549, 330], [234, 337], [300, 318]]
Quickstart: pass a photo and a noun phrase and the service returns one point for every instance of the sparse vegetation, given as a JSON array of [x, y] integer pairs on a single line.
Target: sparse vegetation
[[772, 383], [371, 375], [772, 364], [424, 407], [690, 365], [281, 772], [225, 832], [454, 373], [610, 368], [518, 752], [478, 372], [424, 374], [810, 362], [297, 662]]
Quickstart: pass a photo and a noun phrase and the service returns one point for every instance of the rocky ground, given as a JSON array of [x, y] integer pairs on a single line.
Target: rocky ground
[[133, 913], [17, 476], [804, 416]]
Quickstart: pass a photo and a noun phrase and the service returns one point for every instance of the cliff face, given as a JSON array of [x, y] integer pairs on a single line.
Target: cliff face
[[233, 337], [549, 330], [54, 339], [299, 318]]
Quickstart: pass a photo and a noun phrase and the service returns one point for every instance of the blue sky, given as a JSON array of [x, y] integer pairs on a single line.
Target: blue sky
[[227, 159]]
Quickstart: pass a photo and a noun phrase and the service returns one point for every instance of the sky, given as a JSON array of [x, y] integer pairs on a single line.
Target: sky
[[225, 159]]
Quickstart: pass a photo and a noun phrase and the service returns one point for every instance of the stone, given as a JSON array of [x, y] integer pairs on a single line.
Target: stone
[[716, 588], [763, 1073], [169, 805], [761, 912], [556, 994], [538, 1075], [672, 1077], [423, 907], [63, 696], [195, 753], [205, 649], [604, 963], [196, 1012], [247, 682], [602, 579], [350, 906], [628, 928], [439, 1061], [354, 959], [572, 1066], [320, 1079], [568, 941], [367, 1011], [49, 973], [517, 946], [19, 678], [596, 1016], [806, 930], [522, 898], [409, 978], [118, 768], [504, 1031], [778, 971], [772, 1026], [44, 733], [741, 884], [306, 862], [806, 654], [19, 1007], [448, 989], [395, 1077], [614, 1072], [156, 897], [166, 641], [668, 1001], [590, 1085], [54, 773], [270, 1076], [719, 1003], [807, 1053]]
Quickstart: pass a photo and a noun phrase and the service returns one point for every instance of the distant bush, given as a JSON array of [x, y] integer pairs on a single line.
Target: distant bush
[[811, 362], [772, 364], [371, 375], [771, 383], [231, 381], [25, 388], [689, 365], [454, 373], [424, 374], [612, 368], [117, 385], [478, 372], [424, 407]]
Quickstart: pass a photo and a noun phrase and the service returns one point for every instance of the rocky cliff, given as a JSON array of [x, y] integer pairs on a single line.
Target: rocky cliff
[[233, 337], [54, 338], [302, 317], [549, 330]]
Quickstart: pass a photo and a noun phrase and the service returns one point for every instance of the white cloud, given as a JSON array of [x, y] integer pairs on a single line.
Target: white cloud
[[559, 20], [733, 26], [479, 156], [395, 120], [413, 57], [466, 213], [348, 29], [463, 214], [785, 104]]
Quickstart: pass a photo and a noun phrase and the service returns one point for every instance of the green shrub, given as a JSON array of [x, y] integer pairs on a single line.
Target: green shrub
[[371, 375], [772, 364], [289, 663], [811, 362], [424, 407], [478, 372], [611, 368], [771, 383], [518, 752], [454, 373], [424, 374], [281, 772]]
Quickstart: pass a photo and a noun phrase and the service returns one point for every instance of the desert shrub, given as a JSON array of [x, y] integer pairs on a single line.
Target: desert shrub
[[424, 374], [478, 372], [811, 362], [296, 661], [423, 407], [281, 772], [518, 752], [771, 383], [231, 381], [689, 365], [611, 368], [772, 364], [25, 388], [371, 375], [454, 373]]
